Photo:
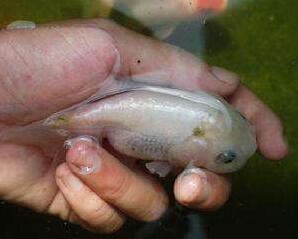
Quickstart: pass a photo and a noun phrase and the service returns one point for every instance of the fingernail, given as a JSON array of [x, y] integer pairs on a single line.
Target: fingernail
[[195, 187], [224, 75], [68, 144], [83, 157]]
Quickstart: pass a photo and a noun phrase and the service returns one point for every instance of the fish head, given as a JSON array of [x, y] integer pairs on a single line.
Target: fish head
[[230, 151], [222, 143]]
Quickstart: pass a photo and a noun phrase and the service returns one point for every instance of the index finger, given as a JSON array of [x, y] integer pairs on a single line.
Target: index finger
[[268, 127], [44, 70]]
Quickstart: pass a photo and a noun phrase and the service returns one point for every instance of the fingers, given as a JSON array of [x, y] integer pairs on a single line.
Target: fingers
[[200, 189], [46, 69], [26, 176], [269, 129], [77, 59], [158, 63], [133, 194], [91, 210], [166, 64]]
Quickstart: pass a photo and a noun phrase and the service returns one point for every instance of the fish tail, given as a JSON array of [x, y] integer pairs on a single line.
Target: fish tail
[[57, 121]]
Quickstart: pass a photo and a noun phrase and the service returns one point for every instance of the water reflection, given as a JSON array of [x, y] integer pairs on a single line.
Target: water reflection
[[266, 45]]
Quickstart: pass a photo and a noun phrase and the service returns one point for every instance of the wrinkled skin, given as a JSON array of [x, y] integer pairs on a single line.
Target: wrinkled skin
[[53, 67]]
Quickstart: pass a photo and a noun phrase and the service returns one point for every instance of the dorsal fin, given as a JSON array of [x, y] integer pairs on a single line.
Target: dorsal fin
[[114, 87]]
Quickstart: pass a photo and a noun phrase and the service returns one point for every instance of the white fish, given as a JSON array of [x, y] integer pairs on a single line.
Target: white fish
[[164, 124]]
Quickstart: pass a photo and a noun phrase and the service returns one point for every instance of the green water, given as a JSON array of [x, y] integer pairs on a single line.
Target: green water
[[263, 48], [259, 41]]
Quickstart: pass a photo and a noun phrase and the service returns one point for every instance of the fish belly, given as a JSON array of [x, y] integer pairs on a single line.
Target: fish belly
[[141, 146]]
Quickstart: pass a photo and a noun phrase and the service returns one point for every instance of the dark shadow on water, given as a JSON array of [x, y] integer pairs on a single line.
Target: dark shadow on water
[[70, 11], [176, 223], [18, 222], [216, 37], [197, 37], [246, 222], [200, 37], [125, 20], [189, 37]]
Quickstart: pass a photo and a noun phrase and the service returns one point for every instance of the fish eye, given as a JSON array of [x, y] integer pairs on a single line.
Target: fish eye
[[226, 157]]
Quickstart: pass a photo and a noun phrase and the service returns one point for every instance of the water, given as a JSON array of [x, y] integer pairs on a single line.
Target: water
[[259, 41]]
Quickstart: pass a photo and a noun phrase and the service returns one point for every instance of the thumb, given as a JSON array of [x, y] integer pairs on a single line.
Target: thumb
[[49, 68]]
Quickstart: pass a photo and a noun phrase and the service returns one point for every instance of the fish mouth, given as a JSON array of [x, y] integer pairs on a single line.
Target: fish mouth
[[197, 162]]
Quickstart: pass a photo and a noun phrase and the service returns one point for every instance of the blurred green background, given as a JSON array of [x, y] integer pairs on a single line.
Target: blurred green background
[[259, 41]]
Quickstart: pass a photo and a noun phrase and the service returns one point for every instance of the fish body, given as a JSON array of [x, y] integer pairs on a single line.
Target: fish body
[[165, 124]]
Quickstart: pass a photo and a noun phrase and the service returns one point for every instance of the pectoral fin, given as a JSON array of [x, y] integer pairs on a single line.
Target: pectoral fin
[[193, 150], [161, 168]]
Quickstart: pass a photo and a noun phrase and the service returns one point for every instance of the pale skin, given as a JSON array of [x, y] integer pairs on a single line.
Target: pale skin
[[53, 67]]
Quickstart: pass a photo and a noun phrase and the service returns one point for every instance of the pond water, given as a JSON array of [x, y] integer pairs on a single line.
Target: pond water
[[259, 41]]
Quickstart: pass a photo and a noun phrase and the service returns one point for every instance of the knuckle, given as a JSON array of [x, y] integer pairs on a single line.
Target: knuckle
[[97, 226], [103, 219], [60, 171], [95, 211], [155, 209], [119, 188], [97, 216]]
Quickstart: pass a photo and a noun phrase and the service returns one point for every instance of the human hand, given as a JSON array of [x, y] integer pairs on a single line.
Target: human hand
[[53, 67]]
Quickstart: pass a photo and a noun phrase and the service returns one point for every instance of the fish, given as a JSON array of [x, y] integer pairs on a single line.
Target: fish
[[163, 125]]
